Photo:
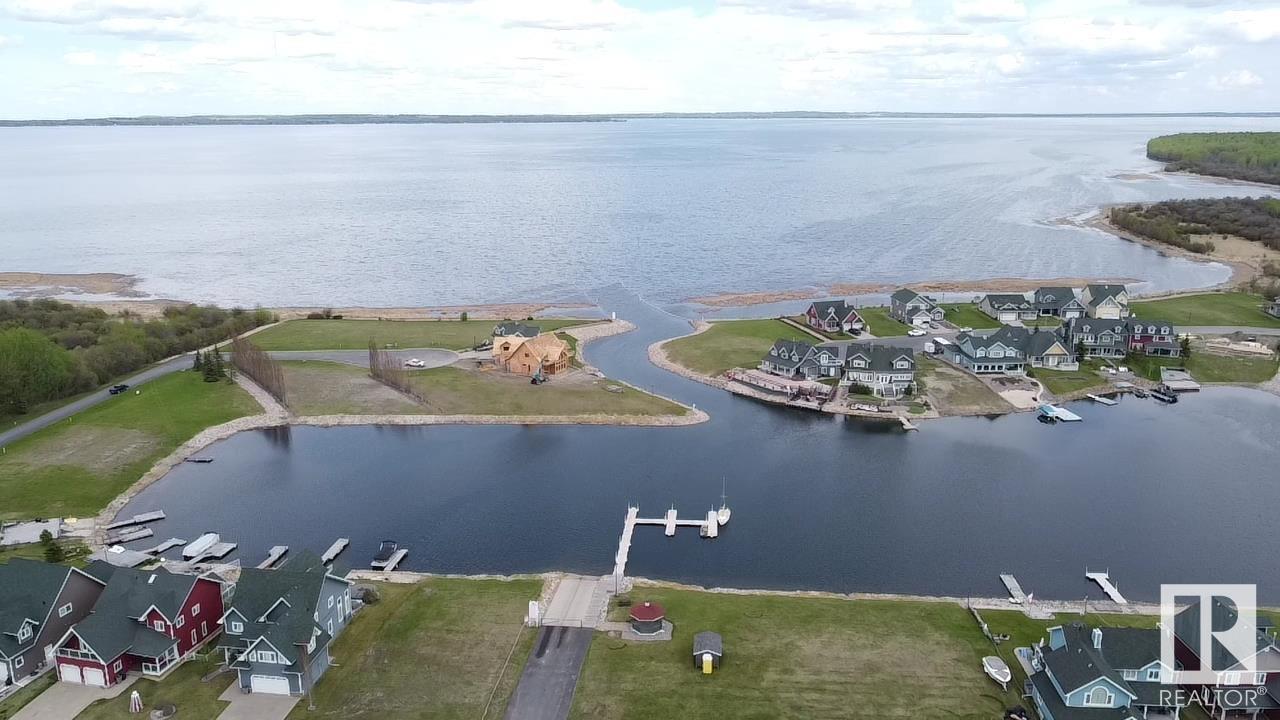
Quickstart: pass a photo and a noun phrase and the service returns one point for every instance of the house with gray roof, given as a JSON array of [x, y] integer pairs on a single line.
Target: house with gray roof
[[1011, 350], [278, 628], [39, 603], [1273, 308], [888, 372], [1100, 337], [1008, 307], [1084, 673], [796, 359], [1059, 302], [145, 621], [834, 316], [516, 330], [911, 308], [1106, 302], [1246, 687]]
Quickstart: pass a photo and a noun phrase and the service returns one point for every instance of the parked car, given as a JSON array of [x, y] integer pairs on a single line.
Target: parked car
[[966, 329], [117, 389], [916, 332], [414, 363]]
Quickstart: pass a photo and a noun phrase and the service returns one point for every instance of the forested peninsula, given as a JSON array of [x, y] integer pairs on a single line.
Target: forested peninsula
[[1251, 156]]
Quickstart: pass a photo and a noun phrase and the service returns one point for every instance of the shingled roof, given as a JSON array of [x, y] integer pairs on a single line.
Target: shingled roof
[[114, 626], [515, 329], [28, 589], [279, 606]]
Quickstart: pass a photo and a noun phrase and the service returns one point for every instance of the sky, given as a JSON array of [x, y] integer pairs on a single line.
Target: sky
[[94, 58]]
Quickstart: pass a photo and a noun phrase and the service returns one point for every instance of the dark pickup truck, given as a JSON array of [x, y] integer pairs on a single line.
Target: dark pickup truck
[[117, 389]]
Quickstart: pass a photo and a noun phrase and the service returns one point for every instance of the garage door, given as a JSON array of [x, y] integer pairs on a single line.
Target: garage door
[[269, 685], [69, 673], [95, 677], [1008, 317]]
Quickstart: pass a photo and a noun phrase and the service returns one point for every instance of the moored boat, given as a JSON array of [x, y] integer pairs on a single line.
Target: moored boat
[[201, 545]]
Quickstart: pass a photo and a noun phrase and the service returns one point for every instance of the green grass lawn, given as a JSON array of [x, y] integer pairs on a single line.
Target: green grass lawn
[[789, 657], [15, 702], [730, 344], [1061, 382], [181, 688], [75, 552], [453, 390], [1209, 368], [880, 324], [804, 320], [1209, 309], [431, 650], [968, 315], [77, 466], [355, 334]]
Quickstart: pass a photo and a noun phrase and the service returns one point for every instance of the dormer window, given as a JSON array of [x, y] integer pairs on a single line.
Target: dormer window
[[24, 632], [235, 627], [158, 625]]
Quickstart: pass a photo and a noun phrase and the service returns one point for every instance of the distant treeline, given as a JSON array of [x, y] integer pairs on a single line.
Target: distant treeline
[[50, 349], [1253, 156], [380, 119]]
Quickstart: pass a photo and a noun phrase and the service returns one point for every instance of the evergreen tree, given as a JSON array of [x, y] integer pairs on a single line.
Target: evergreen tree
[[1185, 345], [52, 550]]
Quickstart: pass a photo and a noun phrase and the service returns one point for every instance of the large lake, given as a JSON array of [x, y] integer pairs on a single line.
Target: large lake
[[446, 214], [1183, 493]]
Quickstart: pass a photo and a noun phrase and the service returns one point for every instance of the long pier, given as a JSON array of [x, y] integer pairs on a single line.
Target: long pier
[[1016, 593], [136, 520], [710, 528], [1104, 581], [1102, 400], [394, 560], [166, 545], [273, 557], [125, 536], [334, 550]]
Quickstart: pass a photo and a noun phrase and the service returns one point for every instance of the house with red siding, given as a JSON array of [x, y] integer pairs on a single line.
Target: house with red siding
[[145, 621], [834, 316]]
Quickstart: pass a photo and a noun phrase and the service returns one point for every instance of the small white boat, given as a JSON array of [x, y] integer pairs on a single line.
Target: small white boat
[[723, 514], [201, 545], [997, 670]]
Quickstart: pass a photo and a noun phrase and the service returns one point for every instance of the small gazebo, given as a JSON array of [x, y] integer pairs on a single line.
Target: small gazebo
[[647, 617], [708, 648]]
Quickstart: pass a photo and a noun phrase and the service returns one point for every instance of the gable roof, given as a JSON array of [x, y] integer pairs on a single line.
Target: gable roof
[[708, 642], [113, 627], [1098, 292], [279, 606], [880, 358], [1130, 648], [1096, 326], [789, 354], [1054, 296], [28, 591], [545, 347], [838, 309], [1186, 628], [907, 295], [1061, 711], [1006, 300], [515, 329], [1078, 662]]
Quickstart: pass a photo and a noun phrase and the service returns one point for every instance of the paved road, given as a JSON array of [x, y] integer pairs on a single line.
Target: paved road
[[1227, 330], [98, 396], [431, 356], [550, 676]]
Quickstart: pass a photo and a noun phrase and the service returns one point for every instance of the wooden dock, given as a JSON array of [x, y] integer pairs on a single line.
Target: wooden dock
[[391, 562], [1016, 595], [218, 551], [1102, 400], [129, 536], [169, 544], [335, 550], [709, 528], [1104, 581], [273, 557], [136, 520], [906, 424]]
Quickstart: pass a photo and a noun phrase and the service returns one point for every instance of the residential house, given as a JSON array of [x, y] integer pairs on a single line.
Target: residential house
[[543, 354], [1085, 673], [39, 602], [1011, 350], [510, 329], [1008, 308], [912, 308], [1273, 308], [278, 628], [889, 372], [1106, 302], [1153, 337], [145, 620], [797, 359], [1245, 687], [1060, 302], [834, 316], [1117, 338]]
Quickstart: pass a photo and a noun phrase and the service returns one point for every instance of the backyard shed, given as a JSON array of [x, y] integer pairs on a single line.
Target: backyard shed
[[647, 617], [708, 648]]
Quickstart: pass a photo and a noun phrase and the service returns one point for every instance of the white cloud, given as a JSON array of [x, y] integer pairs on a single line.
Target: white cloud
[[81, 57], [990, 10], [1238, 79], [1251, 25]]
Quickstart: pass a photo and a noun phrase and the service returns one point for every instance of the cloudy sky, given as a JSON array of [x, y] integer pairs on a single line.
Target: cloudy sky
[[84, 58]]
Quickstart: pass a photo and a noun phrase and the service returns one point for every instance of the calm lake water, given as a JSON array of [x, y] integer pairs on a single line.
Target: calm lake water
[[435, 214], [1156, 493]]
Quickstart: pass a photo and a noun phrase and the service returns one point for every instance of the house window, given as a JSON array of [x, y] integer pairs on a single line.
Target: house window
[[24, 632], [266, 656], [1231, 678], [237, 627], [329, 626], [158, 625], [180, 621], [195, 610], [1130, 674], [64, 611], [1099, 697], [18, 663], [118, 666], [330, 602], [1153, 674]]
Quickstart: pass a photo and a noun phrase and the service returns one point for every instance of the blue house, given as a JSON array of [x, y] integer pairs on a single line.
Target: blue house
[[278, 628], [1085, 673]]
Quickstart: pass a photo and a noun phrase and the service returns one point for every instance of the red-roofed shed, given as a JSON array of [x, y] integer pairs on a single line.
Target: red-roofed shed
[[647, 617]]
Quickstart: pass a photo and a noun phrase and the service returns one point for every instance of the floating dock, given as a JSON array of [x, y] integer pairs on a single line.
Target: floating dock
[[1016, 595], [1104, 581], [1059, 413], [169, 544], [273, 557], [1102, 400], [136, 520], [129, 536], [392, 561], [217, 551], [122, 557], [906, 424], [335, 550], [708, 527]]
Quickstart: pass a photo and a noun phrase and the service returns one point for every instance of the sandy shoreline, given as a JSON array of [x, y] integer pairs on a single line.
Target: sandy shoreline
[[36, 285], [997, 285]]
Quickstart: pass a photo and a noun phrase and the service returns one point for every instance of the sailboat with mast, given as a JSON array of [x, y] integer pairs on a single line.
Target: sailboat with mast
[[722, 515]]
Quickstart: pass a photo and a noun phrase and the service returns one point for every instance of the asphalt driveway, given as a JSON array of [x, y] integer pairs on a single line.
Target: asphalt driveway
[[65, 700], [259, 706], [550, 676]]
